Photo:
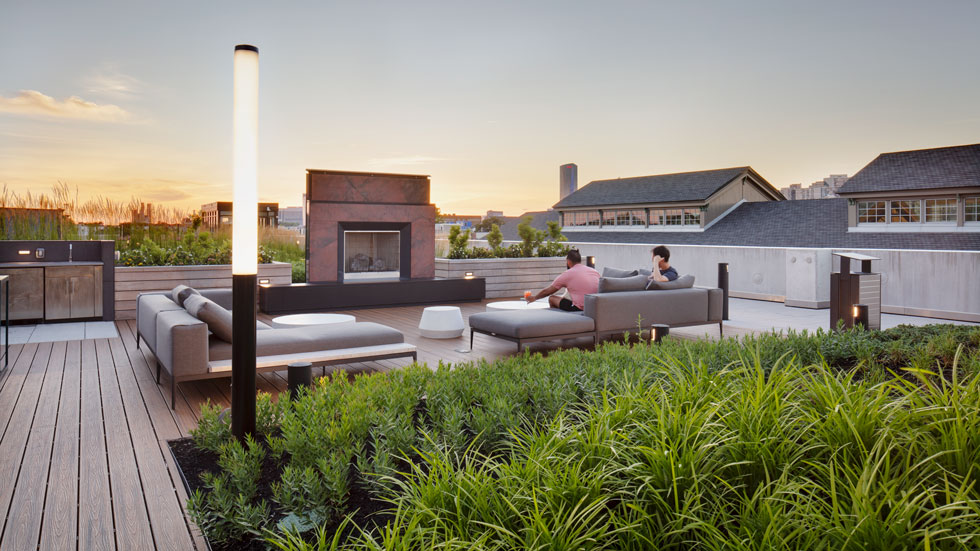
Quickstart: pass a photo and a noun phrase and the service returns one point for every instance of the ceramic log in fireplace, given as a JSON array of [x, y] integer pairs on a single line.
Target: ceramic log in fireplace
[[368, 226]]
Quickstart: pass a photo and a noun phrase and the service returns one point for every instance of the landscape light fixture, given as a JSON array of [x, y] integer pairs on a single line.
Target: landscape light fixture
[[658, 331], [468, 275], [723, 285], [590, 261], [244, 244], [860, 313]]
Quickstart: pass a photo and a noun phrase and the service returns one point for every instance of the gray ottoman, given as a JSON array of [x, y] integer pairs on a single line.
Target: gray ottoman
[[523, 326]]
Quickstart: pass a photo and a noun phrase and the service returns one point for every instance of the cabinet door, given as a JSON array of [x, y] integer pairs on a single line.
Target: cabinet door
[[26, 292], [57, 295], [86, 293]]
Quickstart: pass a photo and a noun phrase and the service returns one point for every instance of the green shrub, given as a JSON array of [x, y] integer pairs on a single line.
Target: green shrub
[[805, 440]]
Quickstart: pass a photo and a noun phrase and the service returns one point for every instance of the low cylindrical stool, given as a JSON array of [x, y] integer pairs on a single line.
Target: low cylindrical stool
[[441, 322], [298, 375], [658, 331]]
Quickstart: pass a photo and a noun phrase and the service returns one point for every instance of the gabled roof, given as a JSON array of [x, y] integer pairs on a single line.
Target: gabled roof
[[660, 188], [939, 168], [804, 223]]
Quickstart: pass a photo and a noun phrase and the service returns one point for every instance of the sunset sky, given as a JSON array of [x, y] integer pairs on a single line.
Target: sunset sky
[[127, 99]]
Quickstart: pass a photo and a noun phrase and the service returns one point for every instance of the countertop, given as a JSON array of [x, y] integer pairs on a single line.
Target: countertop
[[42, 264]]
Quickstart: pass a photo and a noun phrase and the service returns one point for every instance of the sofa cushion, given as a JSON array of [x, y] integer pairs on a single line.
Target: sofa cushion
[[617, 284], [644, 271], [218, 319], [312, 338], [683, 282], [181, 292], [148, 305], [616, 272], [526, 324]]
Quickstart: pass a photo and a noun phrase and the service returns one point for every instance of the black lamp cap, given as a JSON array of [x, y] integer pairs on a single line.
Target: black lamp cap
[[247, 47]]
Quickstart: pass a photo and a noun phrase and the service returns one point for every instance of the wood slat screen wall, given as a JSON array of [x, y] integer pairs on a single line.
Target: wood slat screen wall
[[133, 280], [506, 277]]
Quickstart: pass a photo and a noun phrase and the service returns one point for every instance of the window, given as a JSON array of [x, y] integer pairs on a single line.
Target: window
[[941, 210], [905, 211], [674, 217], [692, 217], [971, 210], [656, 217], [582, 218], [871, 212]]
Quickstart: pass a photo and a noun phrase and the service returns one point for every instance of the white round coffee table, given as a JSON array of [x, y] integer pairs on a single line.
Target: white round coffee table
[[518, 305], [314, 319], [441, 322]]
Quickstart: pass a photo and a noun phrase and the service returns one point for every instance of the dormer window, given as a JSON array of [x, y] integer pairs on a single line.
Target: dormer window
[[971, 210], [871, 212], [941, 210], [905, 211]]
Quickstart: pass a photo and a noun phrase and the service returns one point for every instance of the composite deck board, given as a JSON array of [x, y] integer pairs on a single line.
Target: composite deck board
[[166, 426], [60, 518], [162, 504], [108, 480], [24, 516], [95, 521], [15, 438], [129, 509]]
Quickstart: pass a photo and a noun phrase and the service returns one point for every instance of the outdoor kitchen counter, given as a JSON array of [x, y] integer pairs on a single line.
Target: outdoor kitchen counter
[[42, 264]]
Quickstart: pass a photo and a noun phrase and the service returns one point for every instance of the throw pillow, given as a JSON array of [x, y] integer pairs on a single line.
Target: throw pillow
[[616, 272], [683, 282], [208, 311], [181, 292], [617, 284]]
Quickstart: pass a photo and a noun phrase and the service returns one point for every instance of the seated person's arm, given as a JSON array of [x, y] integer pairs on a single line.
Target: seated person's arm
[[546, 292], [655, 274]]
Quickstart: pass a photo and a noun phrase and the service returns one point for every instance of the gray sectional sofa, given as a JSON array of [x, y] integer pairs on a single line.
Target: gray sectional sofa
[[606, 313], [187, 350]]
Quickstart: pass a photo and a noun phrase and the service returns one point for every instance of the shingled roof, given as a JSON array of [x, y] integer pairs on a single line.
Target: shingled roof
[[818, 223], [943, 167], [661, 188]]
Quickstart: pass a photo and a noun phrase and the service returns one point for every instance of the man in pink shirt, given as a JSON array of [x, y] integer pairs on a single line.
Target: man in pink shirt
[[580, 280]]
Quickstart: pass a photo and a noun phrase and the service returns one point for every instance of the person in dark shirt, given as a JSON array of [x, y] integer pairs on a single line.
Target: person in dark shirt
[[662, 270]]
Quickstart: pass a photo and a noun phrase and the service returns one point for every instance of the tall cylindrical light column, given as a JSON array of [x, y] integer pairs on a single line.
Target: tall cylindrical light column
[[244, 244]]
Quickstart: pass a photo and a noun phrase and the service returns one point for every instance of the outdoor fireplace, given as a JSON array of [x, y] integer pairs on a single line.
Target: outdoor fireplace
[[368, 226], [371, 254]]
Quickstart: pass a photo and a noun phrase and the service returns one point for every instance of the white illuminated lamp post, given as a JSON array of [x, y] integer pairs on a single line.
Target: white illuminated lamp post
[[244, 244]]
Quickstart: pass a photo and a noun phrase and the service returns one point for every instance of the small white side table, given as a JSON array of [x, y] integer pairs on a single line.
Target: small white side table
[[314, 319], [441, 322]]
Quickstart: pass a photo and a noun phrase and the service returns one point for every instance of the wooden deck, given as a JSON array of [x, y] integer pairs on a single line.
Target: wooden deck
[[84, 462]]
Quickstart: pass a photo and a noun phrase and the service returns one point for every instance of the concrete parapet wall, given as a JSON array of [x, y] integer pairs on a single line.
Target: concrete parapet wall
[[133, 280], [939, 284]]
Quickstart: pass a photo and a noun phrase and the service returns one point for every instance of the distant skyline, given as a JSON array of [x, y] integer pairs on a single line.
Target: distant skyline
[[125, 99]]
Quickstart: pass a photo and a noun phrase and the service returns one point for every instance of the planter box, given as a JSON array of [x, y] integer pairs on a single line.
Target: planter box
[[133, 280], [506, 277]]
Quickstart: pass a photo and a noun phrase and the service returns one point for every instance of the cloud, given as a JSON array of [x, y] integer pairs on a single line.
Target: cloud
[[112, 82], [403, 161], [32, 102]]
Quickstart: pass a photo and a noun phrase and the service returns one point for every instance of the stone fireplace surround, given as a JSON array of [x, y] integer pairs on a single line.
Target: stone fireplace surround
[[357, 201]]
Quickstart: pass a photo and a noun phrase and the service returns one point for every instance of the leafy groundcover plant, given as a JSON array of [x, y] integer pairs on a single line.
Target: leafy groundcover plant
[[853, 440]]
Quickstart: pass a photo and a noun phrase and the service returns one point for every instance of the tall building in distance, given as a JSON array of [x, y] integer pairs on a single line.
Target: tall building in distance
[[569, 180], [824, 189]]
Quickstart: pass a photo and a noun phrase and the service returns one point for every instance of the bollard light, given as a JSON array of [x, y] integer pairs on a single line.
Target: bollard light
[[244, 244], [590, 262], [658, 331], [723, 285], [860, 315]]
